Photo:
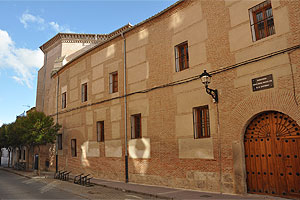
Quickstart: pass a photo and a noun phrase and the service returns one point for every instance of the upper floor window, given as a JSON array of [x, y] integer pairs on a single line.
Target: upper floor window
[[59, 141], [181, 56], [136, 126], [73, 148], [261, 19], [113, 82], [100, 131], [64, 100], [201, 122], [84, 92]]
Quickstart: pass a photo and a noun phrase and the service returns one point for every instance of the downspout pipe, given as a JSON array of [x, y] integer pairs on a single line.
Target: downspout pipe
[[56, 146], [125, 111]]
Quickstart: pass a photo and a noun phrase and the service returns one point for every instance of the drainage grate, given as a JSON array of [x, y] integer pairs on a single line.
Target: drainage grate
[[205, 196]]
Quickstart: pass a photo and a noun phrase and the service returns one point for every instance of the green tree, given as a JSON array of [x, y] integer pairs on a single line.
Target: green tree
[[31, 131], [39, 130]]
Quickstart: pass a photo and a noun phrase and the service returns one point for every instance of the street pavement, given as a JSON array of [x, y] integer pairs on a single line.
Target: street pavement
[[102, 189], [13, 186]]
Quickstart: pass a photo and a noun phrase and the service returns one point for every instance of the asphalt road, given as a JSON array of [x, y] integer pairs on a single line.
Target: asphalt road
[[13, 186]]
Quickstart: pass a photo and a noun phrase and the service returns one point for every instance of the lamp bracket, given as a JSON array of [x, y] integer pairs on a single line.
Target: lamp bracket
[[213, 93]]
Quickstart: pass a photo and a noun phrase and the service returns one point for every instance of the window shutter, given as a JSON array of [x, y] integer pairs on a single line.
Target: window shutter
[[85, 92], [132, 121], [98, 132], [176, 59], [110, 83], [195, 123], [82, 93], [102, 131]]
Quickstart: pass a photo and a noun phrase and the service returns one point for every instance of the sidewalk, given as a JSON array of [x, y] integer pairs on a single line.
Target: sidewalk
[[151, 191]]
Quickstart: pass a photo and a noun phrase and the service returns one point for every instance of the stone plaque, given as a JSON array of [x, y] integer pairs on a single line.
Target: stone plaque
[[262, 83]]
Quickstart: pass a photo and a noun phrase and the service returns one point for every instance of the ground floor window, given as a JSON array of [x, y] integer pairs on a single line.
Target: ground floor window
[[201, 122], [136, 126], [73, 148]]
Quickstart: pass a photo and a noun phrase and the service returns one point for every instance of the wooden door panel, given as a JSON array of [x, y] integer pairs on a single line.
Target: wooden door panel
[[272, 150], [253, 166], [264, 165], [248, 165], [258, 165]]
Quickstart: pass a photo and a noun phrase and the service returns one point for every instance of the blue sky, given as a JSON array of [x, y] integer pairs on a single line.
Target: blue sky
[[26, 25]]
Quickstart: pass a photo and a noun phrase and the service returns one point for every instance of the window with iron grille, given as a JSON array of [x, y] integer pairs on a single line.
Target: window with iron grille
[[201, 122], [113, 82], [84, 94], [100, 131], [59, 141], [136, 126], [181, 56], [20, 154], [73, 148], [261, 20], [64, 100]]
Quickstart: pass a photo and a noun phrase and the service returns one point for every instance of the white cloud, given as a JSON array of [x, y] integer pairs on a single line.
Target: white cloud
[[28, 19], [1, 122], [55, 26], [24, 62]]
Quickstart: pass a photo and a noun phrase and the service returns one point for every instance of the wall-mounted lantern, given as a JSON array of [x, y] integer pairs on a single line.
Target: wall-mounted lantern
[[206, 78]]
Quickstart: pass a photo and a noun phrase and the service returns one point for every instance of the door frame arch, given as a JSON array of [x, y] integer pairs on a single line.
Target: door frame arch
[[242, 115]]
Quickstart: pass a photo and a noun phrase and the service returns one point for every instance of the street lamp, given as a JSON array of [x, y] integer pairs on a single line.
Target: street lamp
[[206, 78]]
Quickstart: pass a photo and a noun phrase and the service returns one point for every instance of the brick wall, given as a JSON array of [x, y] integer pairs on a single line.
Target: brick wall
[[168, 154]]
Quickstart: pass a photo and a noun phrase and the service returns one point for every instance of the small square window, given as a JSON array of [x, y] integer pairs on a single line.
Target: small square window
[[59, 141], [136, 126], [201, 122], [64, 100], [84, 94], [261, 20], [181, 57], [73, 148], [100, 131], [113, 82]]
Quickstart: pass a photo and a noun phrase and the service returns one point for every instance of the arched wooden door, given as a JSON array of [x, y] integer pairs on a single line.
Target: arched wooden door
[[272, 150]]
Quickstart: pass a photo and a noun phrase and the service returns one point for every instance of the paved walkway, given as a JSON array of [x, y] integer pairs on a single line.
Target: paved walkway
[[153, 191]]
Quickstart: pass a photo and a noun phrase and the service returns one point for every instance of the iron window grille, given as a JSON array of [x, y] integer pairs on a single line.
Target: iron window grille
[[113, 82], [73, 148], [181, 56], [64, 100], [84, 94], [136, 126], [261, 20], [201, 122], [100, 131], [59, 141]]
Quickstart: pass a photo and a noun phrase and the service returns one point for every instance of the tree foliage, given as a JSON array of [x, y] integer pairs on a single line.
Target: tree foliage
[[32, 130]]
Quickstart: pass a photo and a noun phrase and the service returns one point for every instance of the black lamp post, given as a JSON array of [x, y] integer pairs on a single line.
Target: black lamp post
[[206, 78]]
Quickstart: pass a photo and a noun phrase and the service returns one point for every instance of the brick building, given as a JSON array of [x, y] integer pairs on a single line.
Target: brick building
[[138, 92]]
